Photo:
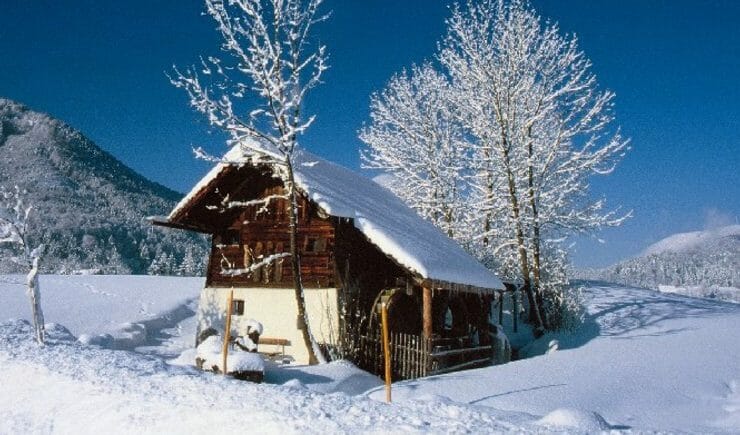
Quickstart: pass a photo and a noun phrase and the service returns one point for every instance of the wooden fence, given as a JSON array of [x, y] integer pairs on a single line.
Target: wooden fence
[[410, 355], [413, 356]]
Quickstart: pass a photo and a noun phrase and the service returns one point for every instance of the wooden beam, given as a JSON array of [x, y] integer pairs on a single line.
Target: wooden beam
[[426, 298], [454, 287], [179, 226]]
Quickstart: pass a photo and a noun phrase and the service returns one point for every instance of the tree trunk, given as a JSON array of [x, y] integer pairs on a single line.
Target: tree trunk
[[534, 312], [34, 293], [489, 200], [539, 291], [536, 253], [314, 353]]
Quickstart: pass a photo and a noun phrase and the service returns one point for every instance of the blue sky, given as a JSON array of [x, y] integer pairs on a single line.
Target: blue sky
[[674, 65]]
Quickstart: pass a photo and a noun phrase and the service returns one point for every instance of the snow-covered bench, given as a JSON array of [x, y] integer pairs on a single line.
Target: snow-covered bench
[[269, 341]]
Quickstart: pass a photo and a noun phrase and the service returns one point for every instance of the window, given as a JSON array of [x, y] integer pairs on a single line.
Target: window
[[237, 307], [314, 244], [230, 237]]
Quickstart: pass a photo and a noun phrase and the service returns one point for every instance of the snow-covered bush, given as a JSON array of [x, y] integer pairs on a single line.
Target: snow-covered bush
[[565, 306]]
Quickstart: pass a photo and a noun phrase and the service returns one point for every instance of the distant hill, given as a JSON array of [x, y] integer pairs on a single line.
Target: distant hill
[[89, 209], [695, 240], [698, 263]]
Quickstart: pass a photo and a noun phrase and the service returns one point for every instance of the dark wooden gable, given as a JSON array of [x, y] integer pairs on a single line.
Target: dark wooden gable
[[331, 247], [205, 212], [246, 235]]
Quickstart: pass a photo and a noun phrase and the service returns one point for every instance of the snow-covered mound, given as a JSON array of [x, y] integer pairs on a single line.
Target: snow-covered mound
[[334, 377], [210, 352], [574, 419]]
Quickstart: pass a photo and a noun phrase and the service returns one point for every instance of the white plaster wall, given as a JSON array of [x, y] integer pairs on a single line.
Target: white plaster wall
[[276, 309]]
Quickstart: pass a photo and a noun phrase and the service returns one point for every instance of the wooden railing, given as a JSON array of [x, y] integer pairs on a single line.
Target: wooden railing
[[413, 356]]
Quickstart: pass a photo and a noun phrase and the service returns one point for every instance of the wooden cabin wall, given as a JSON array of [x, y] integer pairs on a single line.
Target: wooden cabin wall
[[259, 231], [362, 272]]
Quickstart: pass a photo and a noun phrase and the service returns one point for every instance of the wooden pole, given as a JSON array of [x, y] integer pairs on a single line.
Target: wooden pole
[[515, 310], [501, 308], [426, 299], [227, 332], [386, 351]]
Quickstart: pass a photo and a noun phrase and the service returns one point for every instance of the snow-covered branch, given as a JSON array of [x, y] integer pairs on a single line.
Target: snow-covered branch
[[268, 63], [267, 261]]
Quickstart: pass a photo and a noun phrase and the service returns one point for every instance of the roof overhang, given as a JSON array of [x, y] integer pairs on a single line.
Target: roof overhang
[[179, 226]]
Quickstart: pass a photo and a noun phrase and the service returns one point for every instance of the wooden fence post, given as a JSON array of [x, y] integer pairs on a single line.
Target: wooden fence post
[[426, 299], [386, 351], [227, 332]]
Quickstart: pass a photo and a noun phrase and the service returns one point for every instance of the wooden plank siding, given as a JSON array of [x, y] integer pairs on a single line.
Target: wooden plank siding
[[258, 232]]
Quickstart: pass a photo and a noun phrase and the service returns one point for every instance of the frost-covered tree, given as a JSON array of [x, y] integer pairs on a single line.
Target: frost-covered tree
[[533, 128], [540, 125], [255, 93], [14, 216], [414, 137], [160, 264], [189, 265]]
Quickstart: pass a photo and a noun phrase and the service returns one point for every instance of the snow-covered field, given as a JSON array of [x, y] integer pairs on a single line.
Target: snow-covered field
[[116, 309], [644, 361]]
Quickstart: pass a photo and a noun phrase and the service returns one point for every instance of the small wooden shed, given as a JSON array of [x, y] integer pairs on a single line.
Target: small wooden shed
[[359, 244]]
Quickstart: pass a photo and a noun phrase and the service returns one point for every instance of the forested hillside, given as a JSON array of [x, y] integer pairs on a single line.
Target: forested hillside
[[702, 262], [89, 209]]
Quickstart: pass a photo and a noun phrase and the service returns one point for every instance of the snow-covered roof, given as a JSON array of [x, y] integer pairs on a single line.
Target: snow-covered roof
[[397, 230]]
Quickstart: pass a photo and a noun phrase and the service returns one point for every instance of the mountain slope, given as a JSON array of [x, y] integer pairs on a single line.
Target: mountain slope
[[695, 240], [699, 262], [89, 208]]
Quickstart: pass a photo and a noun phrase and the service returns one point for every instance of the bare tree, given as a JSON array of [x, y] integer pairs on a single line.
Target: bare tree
[[414, 137], [540, 124], [256, 94], [531, 128], [535, 103], [14, 216]]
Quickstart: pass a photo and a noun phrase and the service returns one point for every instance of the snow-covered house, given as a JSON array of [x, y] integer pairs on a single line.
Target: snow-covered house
[[358, 244]]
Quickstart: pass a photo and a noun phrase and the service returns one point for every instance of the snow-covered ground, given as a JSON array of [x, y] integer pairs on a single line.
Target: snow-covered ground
[[643, 361], [123, 307]]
